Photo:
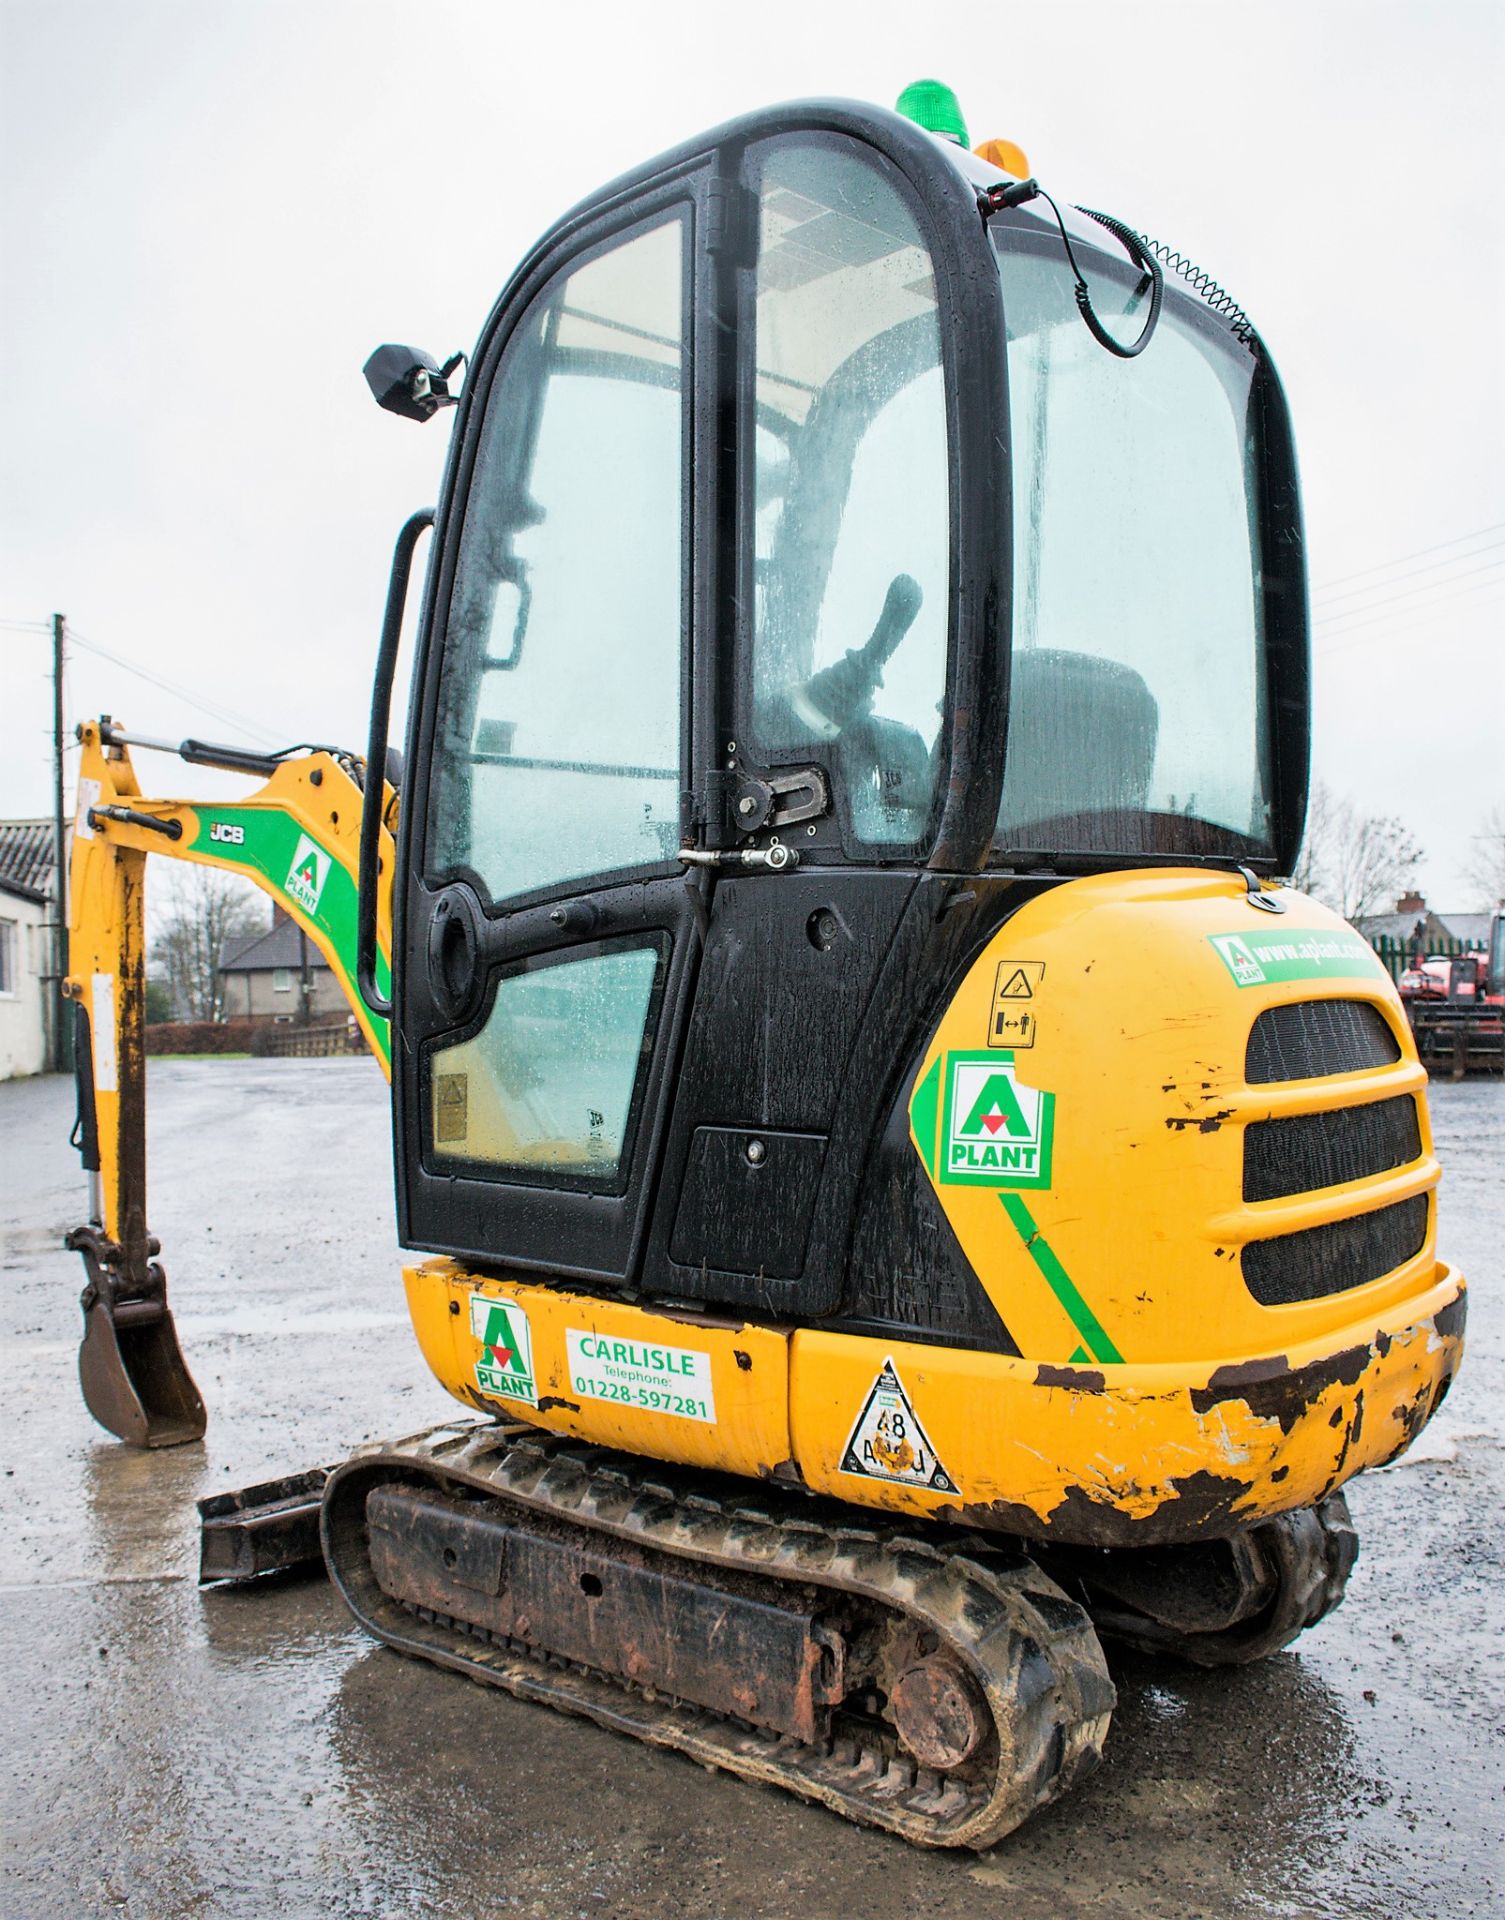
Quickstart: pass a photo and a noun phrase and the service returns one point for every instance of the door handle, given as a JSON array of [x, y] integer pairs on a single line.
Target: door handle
[[456, 953]]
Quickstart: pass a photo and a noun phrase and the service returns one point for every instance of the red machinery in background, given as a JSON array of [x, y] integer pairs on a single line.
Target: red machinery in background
[[1456, 1006]]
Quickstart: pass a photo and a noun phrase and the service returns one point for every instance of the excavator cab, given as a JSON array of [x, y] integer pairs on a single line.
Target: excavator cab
[[802, 550]]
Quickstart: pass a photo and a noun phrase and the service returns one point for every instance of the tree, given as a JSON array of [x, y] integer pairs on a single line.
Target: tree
[[1307, 873], [1356, 863], [1484, 869], [203, 909], [158, 1002]]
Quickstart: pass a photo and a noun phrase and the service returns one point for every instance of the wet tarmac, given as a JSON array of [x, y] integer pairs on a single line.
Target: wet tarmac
[[169, 1753]]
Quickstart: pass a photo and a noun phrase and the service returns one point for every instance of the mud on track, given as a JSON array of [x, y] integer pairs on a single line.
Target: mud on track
[[168, 1753]]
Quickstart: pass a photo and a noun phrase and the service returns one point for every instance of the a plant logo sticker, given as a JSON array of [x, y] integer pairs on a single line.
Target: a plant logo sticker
[[307, 874], [1268, 955], [1239, 961], [505, 1364], [995, 1131]]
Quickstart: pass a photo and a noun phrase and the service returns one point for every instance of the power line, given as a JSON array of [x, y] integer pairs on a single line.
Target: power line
[[1407, 617], [214, 711], [196, 701], [1410, 620], [1384, 616], [1380, 566], [1439, 590], [1430, 566]]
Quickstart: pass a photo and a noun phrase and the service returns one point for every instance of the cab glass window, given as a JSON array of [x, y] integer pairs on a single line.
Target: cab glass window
[[557, 744], [548, 1088], [1138, 715], [851, 507]]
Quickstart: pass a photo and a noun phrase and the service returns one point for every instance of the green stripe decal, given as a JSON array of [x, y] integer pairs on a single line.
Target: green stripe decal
[[1060, 1282], [271, 843], [924, 1109]]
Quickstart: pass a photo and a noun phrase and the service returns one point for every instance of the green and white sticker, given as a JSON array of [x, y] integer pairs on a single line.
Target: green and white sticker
[[630, 1373], [1264, 956], [995, 1130], [505, 1367], [307, 874], [265, 841]]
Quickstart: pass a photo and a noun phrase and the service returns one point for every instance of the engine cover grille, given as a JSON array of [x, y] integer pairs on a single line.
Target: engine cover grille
[[1336, 1257], [1313, 1150], [1315, 1038]]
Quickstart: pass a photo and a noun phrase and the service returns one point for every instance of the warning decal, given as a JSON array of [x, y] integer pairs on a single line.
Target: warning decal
[[451, 1106], [888, 1442], [1013, 1019]]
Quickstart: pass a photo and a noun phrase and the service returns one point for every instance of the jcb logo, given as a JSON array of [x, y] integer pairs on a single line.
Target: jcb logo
[[227, 832]]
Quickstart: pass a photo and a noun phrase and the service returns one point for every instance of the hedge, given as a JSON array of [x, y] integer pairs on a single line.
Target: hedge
[[200, 1036]]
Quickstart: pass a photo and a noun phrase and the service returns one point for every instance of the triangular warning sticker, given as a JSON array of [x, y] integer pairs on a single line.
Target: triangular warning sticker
[[1016, 987], [888, 1442]]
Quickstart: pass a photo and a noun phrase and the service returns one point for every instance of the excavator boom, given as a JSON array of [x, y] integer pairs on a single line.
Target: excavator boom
[[296, 837]]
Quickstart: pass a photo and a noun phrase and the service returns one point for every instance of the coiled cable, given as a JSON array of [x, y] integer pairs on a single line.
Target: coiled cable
[[1142, 258], [1218, 298], [1146, 254]]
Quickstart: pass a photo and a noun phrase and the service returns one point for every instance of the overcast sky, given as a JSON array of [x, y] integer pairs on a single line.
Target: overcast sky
[[213, 209]]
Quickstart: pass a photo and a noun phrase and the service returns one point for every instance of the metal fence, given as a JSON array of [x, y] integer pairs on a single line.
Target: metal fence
[[288, 1042], [1398, 955]]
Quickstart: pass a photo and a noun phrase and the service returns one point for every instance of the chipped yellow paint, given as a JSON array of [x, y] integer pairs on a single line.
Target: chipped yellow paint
[[1200, 1410], [1109, 1461], [1141, 1038], [1109, 1458]]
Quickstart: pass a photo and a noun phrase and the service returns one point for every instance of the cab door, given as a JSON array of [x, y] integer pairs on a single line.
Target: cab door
[[546, 932]]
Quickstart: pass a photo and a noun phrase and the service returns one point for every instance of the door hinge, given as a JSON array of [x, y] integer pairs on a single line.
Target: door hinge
[[732, 222], [709, 806]]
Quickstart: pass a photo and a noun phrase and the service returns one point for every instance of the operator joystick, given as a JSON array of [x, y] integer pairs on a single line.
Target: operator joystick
[[829, 701]]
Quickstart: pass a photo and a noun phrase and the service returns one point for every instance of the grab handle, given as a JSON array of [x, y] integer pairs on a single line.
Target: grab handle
[[376, 759]]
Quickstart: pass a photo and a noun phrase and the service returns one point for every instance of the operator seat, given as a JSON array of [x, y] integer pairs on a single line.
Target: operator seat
[[1082, 738]]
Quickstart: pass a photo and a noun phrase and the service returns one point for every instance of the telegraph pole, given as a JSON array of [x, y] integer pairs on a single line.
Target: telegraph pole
[[305, 981], [59, 854]]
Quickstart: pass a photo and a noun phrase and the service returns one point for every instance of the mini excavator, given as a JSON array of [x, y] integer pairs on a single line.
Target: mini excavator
[[901, 1187]]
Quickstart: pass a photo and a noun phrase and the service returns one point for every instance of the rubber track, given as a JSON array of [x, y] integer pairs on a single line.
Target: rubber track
[[1032, 1651], [1310, 1554]]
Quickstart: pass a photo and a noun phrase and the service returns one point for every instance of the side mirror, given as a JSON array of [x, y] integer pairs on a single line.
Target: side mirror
[[406, 380], [509, 610]]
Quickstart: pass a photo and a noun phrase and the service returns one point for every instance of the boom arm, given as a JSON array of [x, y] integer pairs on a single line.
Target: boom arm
[[298, 838]]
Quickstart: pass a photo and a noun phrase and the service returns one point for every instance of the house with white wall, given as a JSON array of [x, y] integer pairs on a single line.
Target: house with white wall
[[26, 950]]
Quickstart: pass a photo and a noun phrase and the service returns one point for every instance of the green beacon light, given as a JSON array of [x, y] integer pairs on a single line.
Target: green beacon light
[[933, 106]]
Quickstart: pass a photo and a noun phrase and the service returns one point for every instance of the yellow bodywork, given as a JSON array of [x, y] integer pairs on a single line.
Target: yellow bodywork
[[1080, 1111], [1154, 1398]]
